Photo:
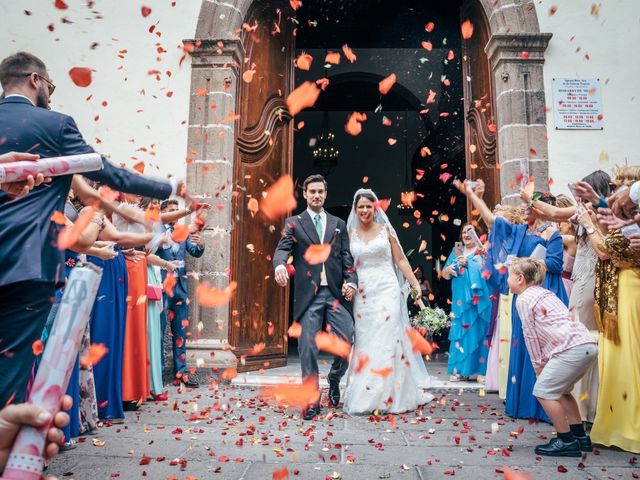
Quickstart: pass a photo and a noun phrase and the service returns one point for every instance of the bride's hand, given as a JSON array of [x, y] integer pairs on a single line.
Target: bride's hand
[[348, 292]]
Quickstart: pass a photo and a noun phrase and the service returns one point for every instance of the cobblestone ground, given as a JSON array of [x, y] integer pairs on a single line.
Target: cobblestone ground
[[230, 434]]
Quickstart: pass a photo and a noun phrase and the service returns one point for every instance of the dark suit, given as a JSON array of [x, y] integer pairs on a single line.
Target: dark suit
[[178, 303], [31, 262], [313, 303]]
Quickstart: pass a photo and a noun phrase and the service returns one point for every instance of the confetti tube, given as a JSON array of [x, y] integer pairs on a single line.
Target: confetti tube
[[474, 236], [50, 167], [26, 459]]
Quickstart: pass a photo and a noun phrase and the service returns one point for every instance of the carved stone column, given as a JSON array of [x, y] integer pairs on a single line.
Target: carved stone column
[[214, 83], [517, 60]]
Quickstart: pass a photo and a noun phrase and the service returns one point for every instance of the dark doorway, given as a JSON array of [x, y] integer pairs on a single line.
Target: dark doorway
[[413, 138]]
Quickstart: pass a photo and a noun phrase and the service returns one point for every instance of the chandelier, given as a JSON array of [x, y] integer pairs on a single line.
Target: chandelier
[[325, 155]]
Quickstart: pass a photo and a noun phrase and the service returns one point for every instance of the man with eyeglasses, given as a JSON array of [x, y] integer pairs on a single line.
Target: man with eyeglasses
[[32, 265]]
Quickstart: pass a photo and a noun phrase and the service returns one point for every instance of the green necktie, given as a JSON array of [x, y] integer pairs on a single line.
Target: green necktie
[[318, 223]]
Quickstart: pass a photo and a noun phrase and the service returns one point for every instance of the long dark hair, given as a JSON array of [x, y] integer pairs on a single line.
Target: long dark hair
[[601, 183], [367, 195]]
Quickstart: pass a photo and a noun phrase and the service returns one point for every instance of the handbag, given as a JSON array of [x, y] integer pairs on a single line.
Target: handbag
[[154, 293]]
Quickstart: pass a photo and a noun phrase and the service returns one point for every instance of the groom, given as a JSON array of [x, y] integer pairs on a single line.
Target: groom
[[322, 292]]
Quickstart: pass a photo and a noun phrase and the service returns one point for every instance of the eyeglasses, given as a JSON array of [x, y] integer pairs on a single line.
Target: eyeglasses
[[50, 85]]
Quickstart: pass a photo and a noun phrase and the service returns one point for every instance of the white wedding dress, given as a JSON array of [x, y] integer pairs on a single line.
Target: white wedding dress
[[384, 373]]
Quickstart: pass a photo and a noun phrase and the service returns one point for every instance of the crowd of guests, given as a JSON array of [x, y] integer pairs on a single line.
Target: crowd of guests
[[134, 238], [586, 255], [134, 304]]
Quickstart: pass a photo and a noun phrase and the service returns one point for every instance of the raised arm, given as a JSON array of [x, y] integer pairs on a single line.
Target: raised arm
[[118, 178], [485, 212], [549, 212]]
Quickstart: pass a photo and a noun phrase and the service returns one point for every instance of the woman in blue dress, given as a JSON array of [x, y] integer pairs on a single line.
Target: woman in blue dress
[[107, 325], [470, 308], [507, 239]]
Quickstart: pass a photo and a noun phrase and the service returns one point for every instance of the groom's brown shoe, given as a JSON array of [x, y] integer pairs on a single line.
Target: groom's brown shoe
[[334, 392]]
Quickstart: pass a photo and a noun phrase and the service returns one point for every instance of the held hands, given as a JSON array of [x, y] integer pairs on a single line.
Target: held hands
[[348, 292], [20, 189], [462, 261]]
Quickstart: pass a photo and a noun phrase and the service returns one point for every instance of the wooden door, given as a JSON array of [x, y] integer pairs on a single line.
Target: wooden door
[[479, 102], [260, 309]]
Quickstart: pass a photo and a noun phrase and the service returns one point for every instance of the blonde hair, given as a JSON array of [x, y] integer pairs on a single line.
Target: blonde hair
[[564, 201], [626, 175], [511, 213], [532, 269]]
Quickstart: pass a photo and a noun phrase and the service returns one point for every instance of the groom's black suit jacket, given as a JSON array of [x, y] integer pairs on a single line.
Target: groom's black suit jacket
[[298, 234]]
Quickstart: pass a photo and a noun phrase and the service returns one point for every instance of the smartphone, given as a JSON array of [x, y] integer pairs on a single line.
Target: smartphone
[[458, 248], [472, 184], [572, 189]]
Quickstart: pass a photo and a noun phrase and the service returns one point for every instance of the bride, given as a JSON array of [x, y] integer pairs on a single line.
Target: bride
[[384, 373]]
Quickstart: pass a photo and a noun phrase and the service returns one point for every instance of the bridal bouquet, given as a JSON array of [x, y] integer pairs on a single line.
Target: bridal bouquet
[[431, 320]]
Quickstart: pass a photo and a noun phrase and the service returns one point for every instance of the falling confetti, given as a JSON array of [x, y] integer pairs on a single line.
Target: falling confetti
[[81, 76]]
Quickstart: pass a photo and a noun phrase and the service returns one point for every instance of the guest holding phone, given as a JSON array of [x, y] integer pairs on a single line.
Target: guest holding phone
[[470, 308]]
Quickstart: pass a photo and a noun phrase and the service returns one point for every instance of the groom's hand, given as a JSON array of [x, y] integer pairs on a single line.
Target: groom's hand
[[348, 292], [281, 275]]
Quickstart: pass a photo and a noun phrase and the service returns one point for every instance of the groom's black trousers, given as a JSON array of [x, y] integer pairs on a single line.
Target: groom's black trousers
[[324, 306]]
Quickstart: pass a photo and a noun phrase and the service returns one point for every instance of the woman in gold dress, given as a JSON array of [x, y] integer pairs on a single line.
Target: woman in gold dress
[[617, 312]]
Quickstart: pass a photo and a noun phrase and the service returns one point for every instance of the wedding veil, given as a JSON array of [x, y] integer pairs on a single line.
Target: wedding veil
[[380, 217]]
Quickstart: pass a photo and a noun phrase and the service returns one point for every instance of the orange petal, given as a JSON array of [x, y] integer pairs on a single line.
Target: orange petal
[[303, 62], [330, 343], [467, 29], [386, 84], [69, 235], [280, 474], [210, 297], [248, 75], [348, 53], [229, 374], [258, 348], [317, 253], [180, 233], [354, 125], [295, 4], [168, 283], [428, 46], [429, 27], [292, 395], [59, 218], [333, 58], [94, 355], [139, 167], [81, 76], [419, 343], [383, 372], [37, 347], [295, 330], [279, 198], [304, 96]]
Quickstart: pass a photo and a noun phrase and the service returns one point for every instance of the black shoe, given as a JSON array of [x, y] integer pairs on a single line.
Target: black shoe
[[585, 443], [334, 392], [559, 448], [130, 406], [312, 412], [189, 381]]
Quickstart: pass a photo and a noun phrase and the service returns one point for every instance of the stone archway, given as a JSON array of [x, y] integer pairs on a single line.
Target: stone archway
[[515, 50]]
